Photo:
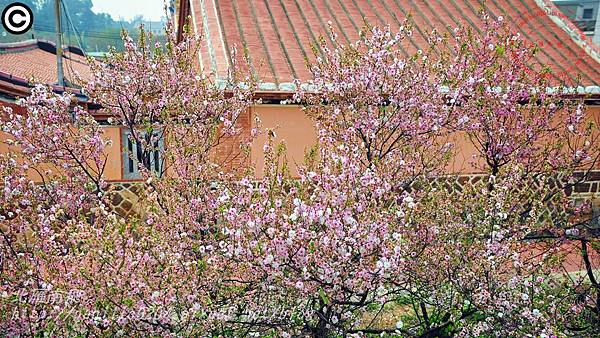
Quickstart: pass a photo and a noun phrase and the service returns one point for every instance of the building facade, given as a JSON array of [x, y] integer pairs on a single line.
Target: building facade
[[277, 36]]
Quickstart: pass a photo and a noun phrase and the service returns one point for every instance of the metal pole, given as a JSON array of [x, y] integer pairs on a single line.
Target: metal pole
[[59, 64]]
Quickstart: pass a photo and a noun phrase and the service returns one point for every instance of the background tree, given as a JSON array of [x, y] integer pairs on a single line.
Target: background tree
[[95, 31]]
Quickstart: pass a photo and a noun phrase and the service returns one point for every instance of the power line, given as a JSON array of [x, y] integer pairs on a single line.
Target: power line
[[90, 33], [45, 27], [94, 34], [66, 10], [69, 61]]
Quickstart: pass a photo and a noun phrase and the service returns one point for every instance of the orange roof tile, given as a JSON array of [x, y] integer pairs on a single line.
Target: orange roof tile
[[278, 33], [36, 60]]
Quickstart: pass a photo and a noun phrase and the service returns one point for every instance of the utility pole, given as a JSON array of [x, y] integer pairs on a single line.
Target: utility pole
[[59, 64]]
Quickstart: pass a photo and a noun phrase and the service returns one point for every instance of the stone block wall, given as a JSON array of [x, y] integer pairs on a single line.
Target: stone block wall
[[125, 195], [124, 198]]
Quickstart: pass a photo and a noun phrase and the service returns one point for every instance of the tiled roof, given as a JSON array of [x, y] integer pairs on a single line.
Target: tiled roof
[[278, 33], [36, 59]]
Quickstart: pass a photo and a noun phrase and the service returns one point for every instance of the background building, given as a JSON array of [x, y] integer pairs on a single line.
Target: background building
[[585, 14]]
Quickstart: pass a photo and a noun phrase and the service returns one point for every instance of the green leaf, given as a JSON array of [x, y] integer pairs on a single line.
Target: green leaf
[[323, 296], [201, 265], [500, 50]]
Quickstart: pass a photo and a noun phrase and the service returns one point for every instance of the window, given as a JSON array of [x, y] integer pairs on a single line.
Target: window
[[133, 155], [588, 13]]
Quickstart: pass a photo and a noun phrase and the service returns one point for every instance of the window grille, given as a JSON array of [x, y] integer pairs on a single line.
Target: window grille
[[133, 155]]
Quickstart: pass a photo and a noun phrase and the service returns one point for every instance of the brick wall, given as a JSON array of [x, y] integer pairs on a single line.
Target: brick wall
[[229, 153]]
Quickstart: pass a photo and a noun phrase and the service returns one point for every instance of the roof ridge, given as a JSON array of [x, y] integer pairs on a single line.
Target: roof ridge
[[224, 43], [209, 44], [194, 23], [42, 44], [17, 44]]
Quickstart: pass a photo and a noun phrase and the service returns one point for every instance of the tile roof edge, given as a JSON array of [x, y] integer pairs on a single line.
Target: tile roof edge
[[19, 44], [291, 87], [24, 86], [575, 33], [590, 94]]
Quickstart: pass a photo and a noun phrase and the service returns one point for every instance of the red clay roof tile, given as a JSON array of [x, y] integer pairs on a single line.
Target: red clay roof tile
[[36, 60], [278, 34]]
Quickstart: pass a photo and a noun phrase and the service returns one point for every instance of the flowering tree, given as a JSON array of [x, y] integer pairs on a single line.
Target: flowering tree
[[377, 236], [71, 265], [371, 230], [62, 146]]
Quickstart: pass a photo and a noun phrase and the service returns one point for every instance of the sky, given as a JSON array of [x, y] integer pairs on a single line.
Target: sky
[[127, 9]]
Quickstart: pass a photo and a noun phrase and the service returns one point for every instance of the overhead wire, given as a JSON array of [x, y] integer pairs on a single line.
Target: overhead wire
[[94, 34], [66, 10], [71, 59]]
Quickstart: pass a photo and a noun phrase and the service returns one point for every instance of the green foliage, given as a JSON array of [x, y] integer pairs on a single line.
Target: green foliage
[[96, 31]]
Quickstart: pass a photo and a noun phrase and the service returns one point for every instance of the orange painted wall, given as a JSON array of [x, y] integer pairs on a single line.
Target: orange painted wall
[[114, 164], [296, 130], [113, 171], [291, 126]]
